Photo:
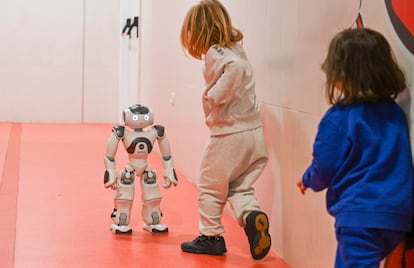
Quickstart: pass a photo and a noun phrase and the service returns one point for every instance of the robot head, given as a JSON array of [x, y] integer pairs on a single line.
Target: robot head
[[138, 117]]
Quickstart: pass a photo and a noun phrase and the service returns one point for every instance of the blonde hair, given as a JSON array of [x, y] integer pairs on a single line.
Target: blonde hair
[[206, 24]]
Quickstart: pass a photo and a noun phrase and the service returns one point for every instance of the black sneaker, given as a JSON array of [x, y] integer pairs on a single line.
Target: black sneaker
[[213, 245], [257, 231]]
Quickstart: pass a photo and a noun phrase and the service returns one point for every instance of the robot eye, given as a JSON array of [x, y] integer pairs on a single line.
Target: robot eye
[[146, 117], [135, 117]]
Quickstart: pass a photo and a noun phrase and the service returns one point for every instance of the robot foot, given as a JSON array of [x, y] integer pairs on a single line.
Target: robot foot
[[124, 229], [156, 228]]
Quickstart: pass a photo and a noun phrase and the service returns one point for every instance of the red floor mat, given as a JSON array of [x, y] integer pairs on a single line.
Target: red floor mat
[[55, 210]]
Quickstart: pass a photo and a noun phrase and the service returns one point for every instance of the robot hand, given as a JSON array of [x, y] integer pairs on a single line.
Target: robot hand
[[169, 173], [110, 178], [169, 178]]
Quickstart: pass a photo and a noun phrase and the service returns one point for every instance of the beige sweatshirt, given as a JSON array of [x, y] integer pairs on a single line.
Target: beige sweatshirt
[[229, 99]]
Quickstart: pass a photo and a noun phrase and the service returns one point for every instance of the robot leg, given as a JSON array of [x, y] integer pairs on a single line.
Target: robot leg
[[123, 202], [151, 199]]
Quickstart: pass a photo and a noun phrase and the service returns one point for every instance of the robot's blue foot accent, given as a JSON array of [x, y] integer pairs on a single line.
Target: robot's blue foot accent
[[124, 229], [156, 228]]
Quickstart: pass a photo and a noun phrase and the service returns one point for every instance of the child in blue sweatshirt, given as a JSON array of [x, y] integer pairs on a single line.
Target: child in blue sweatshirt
[[361, 153]]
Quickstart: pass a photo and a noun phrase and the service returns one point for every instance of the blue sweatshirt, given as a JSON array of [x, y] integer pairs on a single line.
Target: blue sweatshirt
[[362, 155]]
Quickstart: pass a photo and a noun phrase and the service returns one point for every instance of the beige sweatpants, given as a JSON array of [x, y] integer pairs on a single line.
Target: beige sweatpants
[[230, 165]]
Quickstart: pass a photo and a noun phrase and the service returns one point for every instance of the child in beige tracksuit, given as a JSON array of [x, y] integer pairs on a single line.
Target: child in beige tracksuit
[[235, 154]]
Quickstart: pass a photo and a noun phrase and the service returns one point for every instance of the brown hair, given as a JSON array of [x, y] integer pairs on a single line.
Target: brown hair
[[206, 24], [363, 62]]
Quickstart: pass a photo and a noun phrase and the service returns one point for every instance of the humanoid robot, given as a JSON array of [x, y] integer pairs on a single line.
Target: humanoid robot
[[138, 135]]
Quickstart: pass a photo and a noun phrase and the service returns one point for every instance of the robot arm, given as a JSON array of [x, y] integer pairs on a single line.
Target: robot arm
[[169, 173], [110, 175]]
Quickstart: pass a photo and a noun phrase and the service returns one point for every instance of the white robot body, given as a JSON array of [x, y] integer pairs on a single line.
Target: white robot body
[[139, 143]]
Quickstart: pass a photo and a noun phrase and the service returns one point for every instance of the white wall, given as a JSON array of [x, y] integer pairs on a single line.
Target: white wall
[[172, 83], [41, 59], [59, 61], [286, 42], [46, 76], [289, 86], [101, 61]]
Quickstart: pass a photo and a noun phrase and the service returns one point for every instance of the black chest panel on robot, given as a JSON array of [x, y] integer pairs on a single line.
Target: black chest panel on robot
[[142, 144]]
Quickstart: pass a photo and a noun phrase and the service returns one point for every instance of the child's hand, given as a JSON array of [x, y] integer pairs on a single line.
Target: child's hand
[[301, 187]]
